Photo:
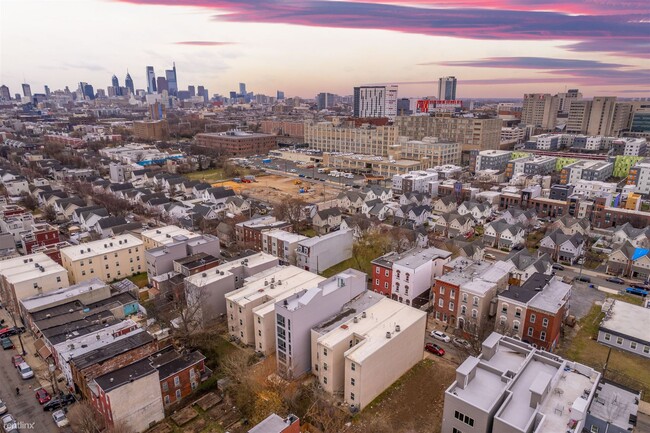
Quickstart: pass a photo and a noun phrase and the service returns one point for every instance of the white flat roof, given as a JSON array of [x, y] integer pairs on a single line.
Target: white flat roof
[[165, 235], [25, 268], [552, 297], [77, 346], [102, 246], [287, 279], [214, 274], [285, 236], [628, 319], [49, 298]]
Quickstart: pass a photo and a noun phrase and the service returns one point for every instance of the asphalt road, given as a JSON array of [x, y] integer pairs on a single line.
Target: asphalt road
[[25, 408]]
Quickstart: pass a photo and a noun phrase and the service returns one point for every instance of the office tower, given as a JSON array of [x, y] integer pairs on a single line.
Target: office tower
[[375, 101], [192, 91], [404, 107], [86, 91], [325, 100], [203, 92], [27, 90], [4, 93], [578, 119], [101, 93], [162, 84], [540, 110], [280, 95], [242, 89], [622, 118], [128, 83], [233, 95], [601, 115], [157, 111], [447, 88], [47, 90], [567, 98], [172, 80], [151, 80]]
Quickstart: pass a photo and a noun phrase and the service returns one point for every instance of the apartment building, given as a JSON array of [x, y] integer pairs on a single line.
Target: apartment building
[[586, 170], [375, 101], [251, 308], [26, 276], [205, 291], [593, 188], [296, 315], [346, 137], [364, 355], [630, 146], [160, 260], [548, 142], [283, 127], [541, 165], [431, 149], [282, 244], [161, 236], [322, 252], [516, 166], [249, 233], [540, 110], [414, 181], [578, 120], [237, 143], [624, 327], [535, 310], [493, 160], [413, 271], [470, 133], [108, 259], [639, 176], [511, 387]]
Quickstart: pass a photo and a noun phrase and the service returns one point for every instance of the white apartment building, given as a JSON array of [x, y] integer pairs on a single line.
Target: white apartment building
[[512, 387], [160, 236], [282, 244], [205, 292], [639, 176], [322, 252], [512, 135], [251, 309], [435, 151], [27, 276], [365, 355], [345, 137], [375, 101], [414, 271], [548, 141], [107, 259], [593, 188], [413, 181]]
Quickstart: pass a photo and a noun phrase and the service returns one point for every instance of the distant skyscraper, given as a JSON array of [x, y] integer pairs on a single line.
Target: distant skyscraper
[[116, 85], [162, 84], [86, 90], [242, 89], [191, 90], [4, 93], [375, 101], [128, 83], [151, 80], [540, 110], [202, 91], [172, 80], [280, 95], [233, 95], [325, 100], [27, 90], [447, 88], [47, 90]]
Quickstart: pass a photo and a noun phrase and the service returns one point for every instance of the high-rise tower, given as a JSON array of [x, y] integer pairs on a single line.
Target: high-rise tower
[[128, 83], [447, 88], [151, 80]]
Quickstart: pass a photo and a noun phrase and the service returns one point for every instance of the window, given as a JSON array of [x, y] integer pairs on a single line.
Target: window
[[504, 308], [386, 273], [463, 310], [464, 418], [167, 400], [594, 429], [385, 285], [324, 380], [464, 297], [442, 290], [377, 281], [58, 279], [633, 345], [352, 381], [352, 396], [515, 325], [353, 366], [36, 285], [376, 270], [545, 322], [542, 336], [475, 301], [407, 277], [178, 394], [452, 294], [474, 314], [455, 430], [259, 319], [646, 349], [406, 290], [259, 332], [441, 303], [532, 318], [608, 337], [324, 366], [518, 313], [165, 387], [451, 306], [530, 331], [619, 340], [325, 351], [177, 381]]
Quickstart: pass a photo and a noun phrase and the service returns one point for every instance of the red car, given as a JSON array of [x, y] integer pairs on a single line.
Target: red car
[[435, 349], [16, 360], [43, 396]]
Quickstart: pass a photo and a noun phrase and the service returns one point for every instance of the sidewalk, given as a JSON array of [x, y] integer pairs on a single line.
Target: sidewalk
[[38, 365]]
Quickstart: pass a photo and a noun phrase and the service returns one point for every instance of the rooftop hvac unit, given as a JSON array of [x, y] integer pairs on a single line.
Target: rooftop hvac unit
[[356, 319], [204, 274], [397, 328], [388, 335], [363, 315]]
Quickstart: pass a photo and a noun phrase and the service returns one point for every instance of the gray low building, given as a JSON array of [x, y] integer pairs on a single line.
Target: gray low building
[[613, 410], [160, 260], [625, 327], [493, 160], [322, 252], [299, 313]]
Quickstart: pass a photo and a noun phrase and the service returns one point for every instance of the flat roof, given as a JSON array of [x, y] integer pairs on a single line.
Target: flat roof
[[284, 235], [102, 246], [129, 373], [417, 257], [552, 297], [40, 301], [76, 346], [359, 304], [615, 404], [627, 319], [214, 274], [316, 239], [135, 339], [25, 268], [165, 235]]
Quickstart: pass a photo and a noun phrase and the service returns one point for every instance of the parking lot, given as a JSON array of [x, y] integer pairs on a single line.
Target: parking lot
[[310, 174]]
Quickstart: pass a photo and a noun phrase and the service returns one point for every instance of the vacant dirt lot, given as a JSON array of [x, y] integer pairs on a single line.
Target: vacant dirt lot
[[414, 402], [275, 188]]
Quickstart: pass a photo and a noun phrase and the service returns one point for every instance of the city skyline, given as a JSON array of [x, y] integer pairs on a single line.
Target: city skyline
[[495, 48]]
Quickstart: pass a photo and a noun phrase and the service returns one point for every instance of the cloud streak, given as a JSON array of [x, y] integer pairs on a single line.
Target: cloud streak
[[205, 43]]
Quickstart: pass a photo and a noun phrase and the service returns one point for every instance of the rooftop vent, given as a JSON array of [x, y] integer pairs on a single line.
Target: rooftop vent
[[158, 231], [356, 319], [363, 315], [204, 275], [397, 328], [388, 335]]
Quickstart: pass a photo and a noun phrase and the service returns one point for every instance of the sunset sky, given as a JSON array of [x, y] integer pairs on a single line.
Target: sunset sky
[[496, 48]]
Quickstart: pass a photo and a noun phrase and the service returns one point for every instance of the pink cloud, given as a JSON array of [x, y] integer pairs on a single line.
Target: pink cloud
[[205, 43]]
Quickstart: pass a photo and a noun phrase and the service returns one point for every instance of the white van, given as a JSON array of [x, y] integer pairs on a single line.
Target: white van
[[349, 175]]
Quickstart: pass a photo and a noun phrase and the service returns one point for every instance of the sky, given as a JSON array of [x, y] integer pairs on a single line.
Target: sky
[[496, 48]]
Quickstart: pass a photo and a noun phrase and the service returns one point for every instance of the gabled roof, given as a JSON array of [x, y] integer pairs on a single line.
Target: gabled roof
[[559, 237], [419, 210], [220, 192], [631, 252], [101, 212], [157, 201], [237, 201], [82, 210], [569, 221], [326, 213], [447, 200], [111, 221], [469, 205], [630, 231], [523, 260], [202, 210], [501, 226], [201, 186]]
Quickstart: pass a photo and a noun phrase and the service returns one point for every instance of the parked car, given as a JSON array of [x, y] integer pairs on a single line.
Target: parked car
[[462, 343], [7, 343], [3, 408], [43, 396], [637, 291], [60, 419], [583, 279], [435, 349], [557, 267], [25, 370], [9, 424], [639, 285], [16, 360], [615, 280], [440, 336], [489, 256], [59, 402]]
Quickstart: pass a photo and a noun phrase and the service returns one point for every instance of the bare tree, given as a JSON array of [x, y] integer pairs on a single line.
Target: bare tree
[[291, 211], [49, 213], [323, 414], [84, 418]]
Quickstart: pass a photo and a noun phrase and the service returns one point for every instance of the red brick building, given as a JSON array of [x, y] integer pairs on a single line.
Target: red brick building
[[42, 235], [382, 274], [179, 374], [237, 143], [249, 233]]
